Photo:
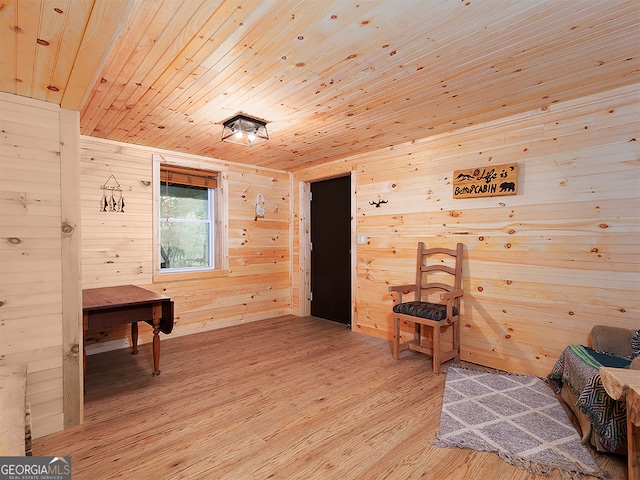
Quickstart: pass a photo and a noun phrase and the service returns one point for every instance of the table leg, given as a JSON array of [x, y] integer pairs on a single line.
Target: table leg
[[85, 326], [134, 337], [157, 316]]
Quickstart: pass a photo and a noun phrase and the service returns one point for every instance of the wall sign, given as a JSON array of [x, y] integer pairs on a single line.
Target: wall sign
[[488, 181]]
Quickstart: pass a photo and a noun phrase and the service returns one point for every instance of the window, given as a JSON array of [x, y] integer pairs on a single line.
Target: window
[[187, 219]]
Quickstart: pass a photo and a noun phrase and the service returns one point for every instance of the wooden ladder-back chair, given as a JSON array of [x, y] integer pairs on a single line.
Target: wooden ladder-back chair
[[434, 266]]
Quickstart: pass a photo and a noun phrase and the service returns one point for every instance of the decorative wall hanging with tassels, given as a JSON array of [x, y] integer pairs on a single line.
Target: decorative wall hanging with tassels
[[110, 203]]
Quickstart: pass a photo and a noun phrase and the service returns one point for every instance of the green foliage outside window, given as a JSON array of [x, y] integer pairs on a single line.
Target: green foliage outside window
[[185, 226]]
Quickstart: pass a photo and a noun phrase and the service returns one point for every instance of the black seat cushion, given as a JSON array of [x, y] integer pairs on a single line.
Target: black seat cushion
[[432, 311]]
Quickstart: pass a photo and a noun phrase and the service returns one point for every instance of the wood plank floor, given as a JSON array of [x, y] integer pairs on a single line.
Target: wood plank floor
[[286, 398]]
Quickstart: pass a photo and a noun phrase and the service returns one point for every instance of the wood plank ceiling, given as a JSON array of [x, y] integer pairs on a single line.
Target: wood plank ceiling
[[331, 77]]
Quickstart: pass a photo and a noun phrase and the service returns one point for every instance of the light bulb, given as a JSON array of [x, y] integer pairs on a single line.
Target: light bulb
[[251, 137], [238, 134]]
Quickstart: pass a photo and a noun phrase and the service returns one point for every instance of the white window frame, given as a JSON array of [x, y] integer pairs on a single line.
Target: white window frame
[[210, 221], [219, 242]]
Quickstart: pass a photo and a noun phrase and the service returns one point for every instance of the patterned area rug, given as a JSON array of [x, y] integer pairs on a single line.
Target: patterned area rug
[[518, 417]]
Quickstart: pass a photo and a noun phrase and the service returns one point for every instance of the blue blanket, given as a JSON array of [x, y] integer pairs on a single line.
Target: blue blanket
[[578, 367]]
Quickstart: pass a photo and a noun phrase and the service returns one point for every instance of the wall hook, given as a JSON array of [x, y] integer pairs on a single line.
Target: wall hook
[[260, 204], [378, 203]]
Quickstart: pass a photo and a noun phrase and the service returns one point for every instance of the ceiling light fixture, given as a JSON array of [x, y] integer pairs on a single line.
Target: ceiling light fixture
[[244, 130]]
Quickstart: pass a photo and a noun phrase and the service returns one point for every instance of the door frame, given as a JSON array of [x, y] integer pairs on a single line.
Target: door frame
[[304, 249]]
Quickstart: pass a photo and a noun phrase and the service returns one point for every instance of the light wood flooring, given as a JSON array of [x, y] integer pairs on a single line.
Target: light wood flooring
[[287, 398]]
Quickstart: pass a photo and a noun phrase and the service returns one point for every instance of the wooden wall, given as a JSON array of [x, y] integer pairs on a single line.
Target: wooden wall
[[40, 307], [541, 267], [117, 248]]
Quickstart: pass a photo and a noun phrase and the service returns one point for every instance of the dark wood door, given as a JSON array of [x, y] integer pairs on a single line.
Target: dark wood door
[[331, 249]]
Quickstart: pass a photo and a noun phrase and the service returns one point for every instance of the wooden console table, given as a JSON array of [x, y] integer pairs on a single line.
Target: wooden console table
[[108, 306], [624, 385]]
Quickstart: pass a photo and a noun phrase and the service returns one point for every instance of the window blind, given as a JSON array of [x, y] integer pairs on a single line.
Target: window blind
[[188, 176]]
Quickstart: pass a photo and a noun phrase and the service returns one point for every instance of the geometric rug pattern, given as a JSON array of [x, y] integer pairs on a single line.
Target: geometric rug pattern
[[517, 417]]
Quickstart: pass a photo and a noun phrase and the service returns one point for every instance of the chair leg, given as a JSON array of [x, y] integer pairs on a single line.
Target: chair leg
[[456, 339], [436, 348], [395, 346]]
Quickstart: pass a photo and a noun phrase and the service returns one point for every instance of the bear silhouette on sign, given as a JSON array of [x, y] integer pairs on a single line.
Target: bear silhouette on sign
[[507, 187]]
